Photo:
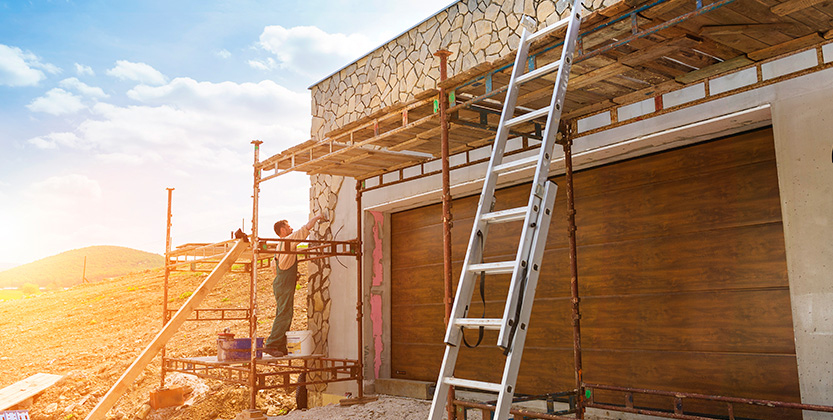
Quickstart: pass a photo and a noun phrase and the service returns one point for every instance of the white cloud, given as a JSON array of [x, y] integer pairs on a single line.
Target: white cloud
[[57, 102], [19, 68], [67, 188], [224, 54], [56, 140], [188, 123], [139, 72], [83, 88], [305, 49], [268, 64], [83, 70]]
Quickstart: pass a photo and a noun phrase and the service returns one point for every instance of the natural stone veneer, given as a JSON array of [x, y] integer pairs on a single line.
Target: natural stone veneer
[[323, 200], [475, 31]]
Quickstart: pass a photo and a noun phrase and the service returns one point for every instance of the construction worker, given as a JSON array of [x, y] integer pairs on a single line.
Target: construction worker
[[286, 274]]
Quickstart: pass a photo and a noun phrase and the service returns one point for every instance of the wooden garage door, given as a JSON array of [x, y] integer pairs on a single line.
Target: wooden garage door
[[682, 276]]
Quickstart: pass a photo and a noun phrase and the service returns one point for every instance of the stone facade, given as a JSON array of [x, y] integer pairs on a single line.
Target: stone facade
[[323, 199], [475, 31]]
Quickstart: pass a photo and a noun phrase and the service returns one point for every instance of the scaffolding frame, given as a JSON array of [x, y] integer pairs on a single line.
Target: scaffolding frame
[[258, 372]]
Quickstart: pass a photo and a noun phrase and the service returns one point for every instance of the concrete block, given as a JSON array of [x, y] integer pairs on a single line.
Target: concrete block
[[685, 95], [789, 64], [593, 122], [733, 81], [636, 110], [405, 388], [827, 52]]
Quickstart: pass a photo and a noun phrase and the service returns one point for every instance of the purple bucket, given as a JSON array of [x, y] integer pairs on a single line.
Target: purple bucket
[[237, 349]]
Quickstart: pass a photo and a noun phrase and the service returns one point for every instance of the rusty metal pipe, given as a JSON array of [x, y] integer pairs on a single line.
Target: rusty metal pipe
[[735, 400], [571, 227], [165, 281], [359, 291], [515, 412], [446, 198], [253, 278]]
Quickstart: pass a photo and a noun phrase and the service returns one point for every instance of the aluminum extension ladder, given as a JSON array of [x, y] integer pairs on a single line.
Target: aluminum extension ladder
[[536, 216]]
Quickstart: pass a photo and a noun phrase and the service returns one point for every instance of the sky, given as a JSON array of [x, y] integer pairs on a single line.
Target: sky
[[105, 104]]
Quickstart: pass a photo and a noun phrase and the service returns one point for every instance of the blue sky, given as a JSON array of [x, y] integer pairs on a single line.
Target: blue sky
[[104, 104]]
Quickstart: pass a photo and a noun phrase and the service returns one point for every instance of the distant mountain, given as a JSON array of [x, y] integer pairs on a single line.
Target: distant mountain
[[66, 268]]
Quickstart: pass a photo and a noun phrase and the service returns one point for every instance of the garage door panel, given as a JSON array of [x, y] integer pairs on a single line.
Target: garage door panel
[[746, 321], [728, 374], [746, 257], [719, 200], [696, 161], [682, 274]]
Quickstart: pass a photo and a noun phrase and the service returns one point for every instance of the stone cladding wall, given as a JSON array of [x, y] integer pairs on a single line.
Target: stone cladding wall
[[323, 199], [475, 31]]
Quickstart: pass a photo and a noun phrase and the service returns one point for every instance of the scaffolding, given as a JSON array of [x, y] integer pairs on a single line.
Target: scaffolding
[[259, 372], [634, 52]]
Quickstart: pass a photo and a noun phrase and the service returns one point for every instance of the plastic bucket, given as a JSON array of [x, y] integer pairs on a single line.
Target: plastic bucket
[[299, 343], [237, 349]]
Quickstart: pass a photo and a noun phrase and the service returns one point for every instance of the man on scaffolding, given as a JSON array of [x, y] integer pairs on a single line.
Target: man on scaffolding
[[286, 274]]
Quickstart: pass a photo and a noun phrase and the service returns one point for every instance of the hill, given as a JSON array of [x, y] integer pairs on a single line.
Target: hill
[[66, 268]]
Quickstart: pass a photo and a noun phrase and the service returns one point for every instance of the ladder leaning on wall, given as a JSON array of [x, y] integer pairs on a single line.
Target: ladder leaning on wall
[[536, 216]]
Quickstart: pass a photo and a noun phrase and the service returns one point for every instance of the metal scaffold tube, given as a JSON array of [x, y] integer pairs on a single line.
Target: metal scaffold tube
[[571, 230], [253, 278], [165, 282]]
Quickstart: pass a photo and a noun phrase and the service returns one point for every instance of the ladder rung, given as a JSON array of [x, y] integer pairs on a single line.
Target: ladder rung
[[502, 267], [540, 71], [550, 29], [510, 215], [487, 323], [466, 383], [527, 162], [538, 113]]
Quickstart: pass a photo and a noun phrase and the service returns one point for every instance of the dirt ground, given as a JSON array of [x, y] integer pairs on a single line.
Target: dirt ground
[[91, 333]]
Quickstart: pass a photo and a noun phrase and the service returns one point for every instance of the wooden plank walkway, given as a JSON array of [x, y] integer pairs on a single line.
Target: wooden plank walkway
[[19, 392]]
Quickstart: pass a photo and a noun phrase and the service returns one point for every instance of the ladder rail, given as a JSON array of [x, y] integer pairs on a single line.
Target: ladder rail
[[544, 158], [513, 359]]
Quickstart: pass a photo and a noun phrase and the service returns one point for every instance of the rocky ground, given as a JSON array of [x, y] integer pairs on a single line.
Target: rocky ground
[[91, 333]]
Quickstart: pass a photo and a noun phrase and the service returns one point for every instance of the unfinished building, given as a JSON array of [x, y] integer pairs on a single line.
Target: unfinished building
[[700, 140], [703, 158]]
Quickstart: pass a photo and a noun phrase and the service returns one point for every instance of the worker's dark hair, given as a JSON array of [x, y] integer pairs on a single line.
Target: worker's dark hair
[[279, 225]]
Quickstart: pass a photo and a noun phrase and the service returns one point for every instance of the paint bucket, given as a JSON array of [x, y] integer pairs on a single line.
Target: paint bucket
[[229, 349], [299, 343]]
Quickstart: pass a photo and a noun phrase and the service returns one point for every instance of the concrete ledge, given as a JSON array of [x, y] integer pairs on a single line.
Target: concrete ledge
[[405, 388]]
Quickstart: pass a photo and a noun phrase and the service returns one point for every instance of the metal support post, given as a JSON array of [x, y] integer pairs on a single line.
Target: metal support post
[[446, 198], [359, 291], [165, 282], [571, 228], [253, 279]]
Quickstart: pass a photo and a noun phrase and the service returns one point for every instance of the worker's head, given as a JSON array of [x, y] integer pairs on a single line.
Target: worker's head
[[282, 228]]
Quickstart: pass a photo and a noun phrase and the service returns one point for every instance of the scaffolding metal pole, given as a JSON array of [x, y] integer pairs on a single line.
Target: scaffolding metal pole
[[446, 198], [253, 279], [571, 230], [165, 282], [359, 291]]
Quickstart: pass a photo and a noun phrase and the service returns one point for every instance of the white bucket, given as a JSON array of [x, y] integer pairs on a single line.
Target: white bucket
[[299, 343]]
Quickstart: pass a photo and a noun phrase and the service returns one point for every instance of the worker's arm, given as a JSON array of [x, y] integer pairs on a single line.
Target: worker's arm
[[286, 260], [312, 222]]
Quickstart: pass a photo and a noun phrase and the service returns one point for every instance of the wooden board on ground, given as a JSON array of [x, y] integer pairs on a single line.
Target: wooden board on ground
[[21, 391]]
